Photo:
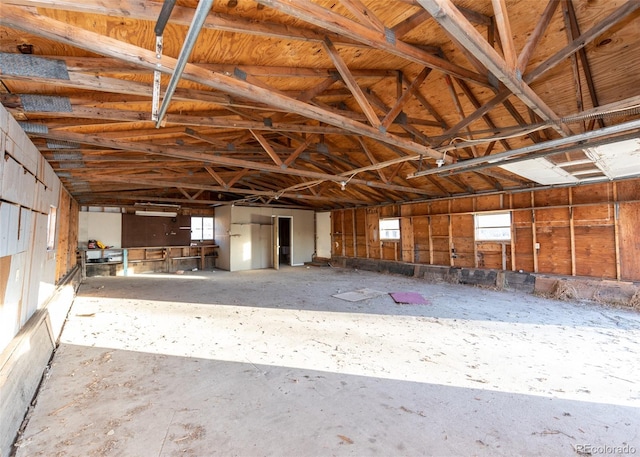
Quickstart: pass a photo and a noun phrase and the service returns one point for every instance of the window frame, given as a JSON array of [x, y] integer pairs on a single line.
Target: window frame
[[386, 230], [496, 228], [202, 228]]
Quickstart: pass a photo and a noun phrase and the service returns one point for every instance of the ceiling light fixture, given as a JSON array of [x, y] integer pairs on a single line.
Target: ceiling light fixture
[[156, 213]]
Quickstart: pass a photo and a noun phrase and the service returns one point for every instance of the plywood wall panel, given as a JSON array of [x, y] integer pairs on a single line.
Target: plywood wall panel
[[337, 247], [593, 215], [421, 239], [373, 233], [490, 255], [440, 225], [628, 190], [390, 250], [463, 240], [407, 243], [595, 193], [439, 207], [595, 251], [389, 211], [575, 228], [361, 232], [551, 197], [521, 200], [349, 234], [462, 205], [62, 259], [489, 203], [629, 221], [555, 217], [415, 209], [523, 257], [441, 253], [554, 254]]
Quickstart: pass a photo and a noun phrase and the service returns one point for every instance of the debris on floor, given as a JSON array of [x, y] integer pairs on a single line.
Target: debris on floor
[[409, 298], [357, 295]]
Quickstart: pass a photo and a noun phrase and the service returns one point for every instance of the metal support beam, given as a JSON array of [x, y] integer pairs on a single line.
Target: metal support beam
[[192, 35], [497, 159]]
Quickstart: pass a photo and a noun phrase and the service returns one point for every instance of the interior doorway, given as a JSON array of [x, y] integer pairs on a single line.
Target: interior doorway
[[285, 240]]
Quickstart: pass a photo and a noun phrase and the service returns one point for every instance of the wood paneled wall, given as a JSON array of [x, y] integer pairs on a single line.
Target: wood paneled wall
[[589, 230]]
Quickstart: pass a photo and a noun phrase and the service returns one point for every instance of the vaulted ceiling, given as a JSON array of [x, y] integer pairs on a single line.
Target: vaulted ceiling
[[323, 104]]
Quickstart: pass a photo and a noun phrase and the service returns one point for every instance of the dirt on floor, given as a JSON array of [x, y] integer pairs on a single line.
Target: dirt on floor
[[272, 363]]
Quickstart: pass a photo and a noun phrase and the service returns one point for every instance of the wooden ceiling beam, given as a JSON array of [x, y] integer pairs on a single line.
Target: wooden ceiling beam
[[96, 65], [501, 19], [351, 83], [28, 20], [321, 17], [151, 181], [450, 18], [149, 11], [413, 21], [99, 83], [363, 14], [299, 150], [268, 148], [207, 157], [406, 95], [216, 176], [573, 30], [537, 33], [584, 39]]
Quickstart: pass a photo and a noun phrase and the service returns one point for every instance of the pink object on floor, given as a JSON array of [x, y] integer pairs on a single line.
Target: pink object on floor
[[409, 298]]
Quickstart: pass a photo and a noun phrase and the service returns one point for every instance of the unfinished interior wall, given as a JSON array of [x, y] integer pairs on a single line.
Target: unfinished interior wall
[[589, 230], [38, 239]]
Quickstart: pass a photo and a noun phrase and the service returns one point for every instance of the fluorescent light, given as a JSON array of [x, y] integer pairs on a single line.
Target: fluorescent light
[[156, 213]]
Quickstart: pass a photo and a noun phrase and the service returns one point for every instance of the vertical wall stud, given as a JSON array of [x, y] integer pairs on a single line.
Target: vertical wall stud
[[534, 234]]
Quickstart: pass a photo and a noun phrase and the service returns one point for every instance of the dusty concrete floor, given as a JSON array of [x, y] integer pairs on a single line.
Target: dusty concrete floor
[[269, 363]]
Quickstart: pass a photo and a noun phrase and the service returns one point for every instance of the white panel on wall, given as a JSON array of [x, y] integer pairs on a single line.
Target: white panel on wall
[[105, 227], [9, 224], [35, 266], [323, 235], [23, 150], [17, 185], [26, 228]]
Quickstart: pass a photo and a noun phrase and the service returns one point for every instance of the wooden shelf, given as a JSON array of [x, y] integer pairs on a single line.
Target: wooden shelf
[[134, 255]]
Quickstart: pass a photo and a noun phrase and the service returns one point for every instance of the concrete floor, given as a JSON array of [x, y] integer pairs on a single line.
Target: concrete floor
[[268, 363]]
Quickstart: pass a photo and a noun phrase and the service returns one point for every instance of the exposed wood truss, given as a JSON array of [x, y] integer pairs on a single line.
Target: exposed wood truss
[[315, 103]]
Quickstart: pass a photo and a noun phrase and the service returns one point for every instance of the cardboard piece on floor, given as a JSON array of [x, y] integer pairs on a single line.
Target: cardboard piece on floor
[[358, 295], [408, 298]]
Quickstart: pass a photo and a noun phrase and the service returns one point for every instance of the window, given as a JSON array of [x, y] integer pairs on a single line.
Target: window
[[390, 229], [493, 227], [51, 228], [201, 228]]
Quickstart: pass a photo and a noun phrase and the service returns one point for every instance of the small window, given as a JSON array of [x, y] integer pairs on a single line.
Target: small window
[[493, 227], [51, 228], [201, 228], [390, 229]]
